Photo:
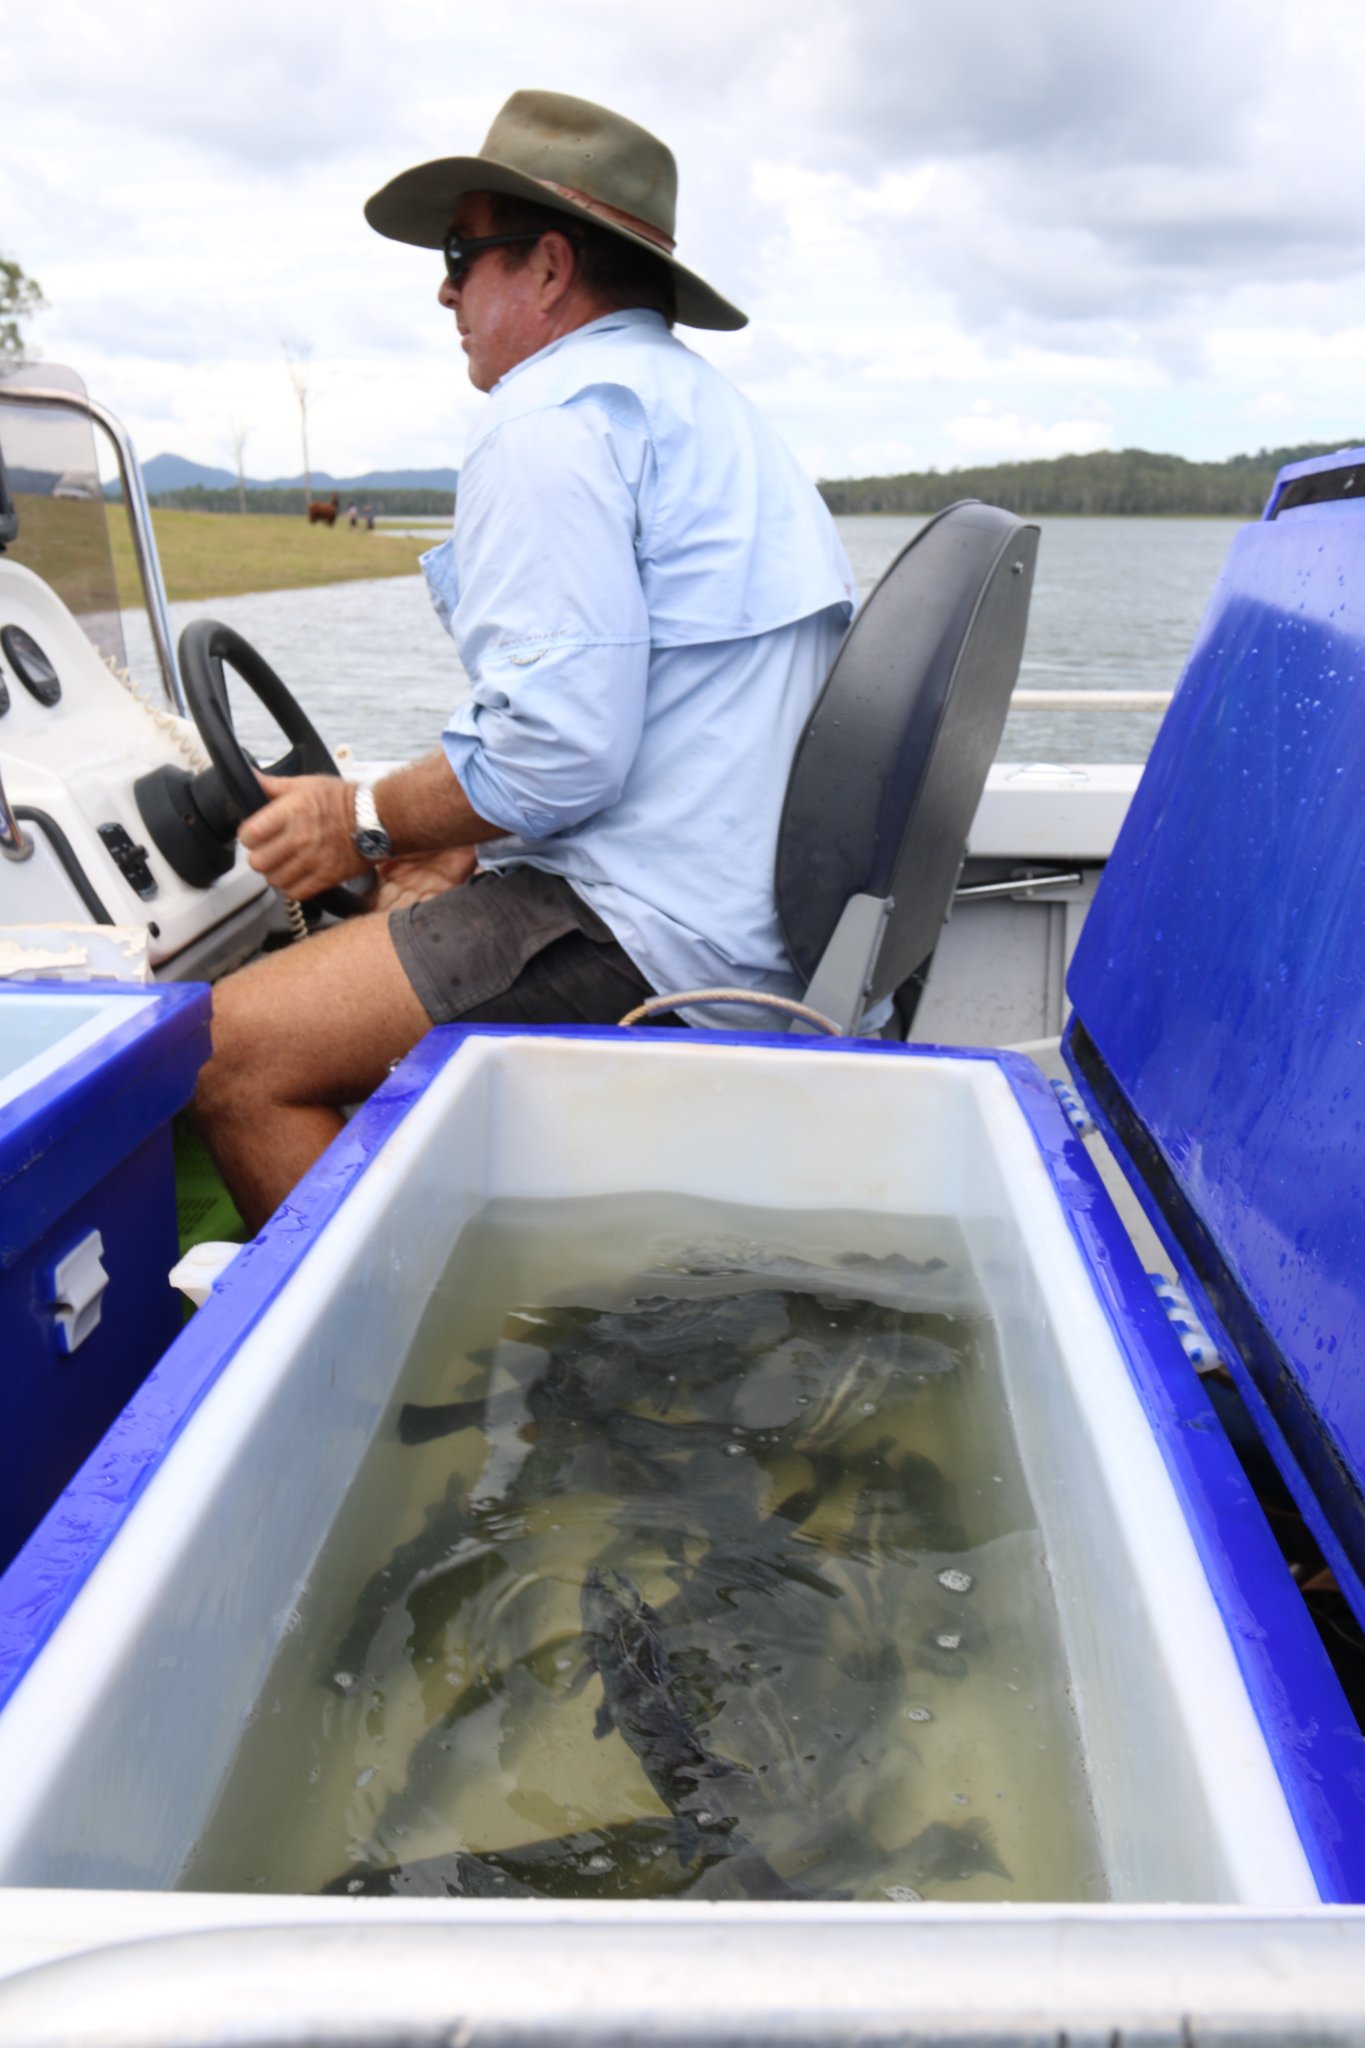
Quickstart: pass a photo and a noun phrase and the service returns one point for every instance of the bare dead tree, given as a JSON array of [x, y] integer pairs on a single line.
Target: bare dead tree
[[239, 440], [296, 356]]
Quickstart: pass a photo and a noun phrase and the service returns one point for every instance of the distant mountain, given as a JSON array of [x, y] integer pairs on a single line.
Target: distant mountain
[[175, 473], [375, 480], [165, 473]]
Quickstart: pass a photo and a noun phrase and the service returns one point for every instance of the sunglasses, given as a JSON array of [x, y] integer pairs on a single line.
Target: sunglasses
[[460, 250]]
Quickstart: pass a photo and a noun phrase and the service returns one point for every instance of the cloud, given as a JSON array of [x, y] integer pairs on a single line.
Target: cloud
[[982, 221], [895, 83], [267, 85], [764, 355], [984, 434], [1061, 166]]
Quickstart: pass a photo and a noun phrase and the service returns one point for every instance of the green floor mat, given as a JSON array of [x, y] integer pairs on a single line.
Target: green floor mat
[[205, 1211]]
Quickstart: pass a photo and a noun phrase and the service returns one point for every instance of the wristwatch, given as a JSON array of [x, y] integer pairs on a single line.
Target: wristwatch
[[369, 838]]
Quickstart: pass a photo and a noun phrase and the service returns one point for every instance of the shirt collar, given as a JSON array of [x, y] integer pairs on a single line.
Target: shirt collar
[[626, 316]]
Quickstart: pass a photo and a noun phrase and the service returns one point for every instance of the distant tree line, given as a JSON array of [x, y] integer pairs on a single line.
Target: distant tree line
[[1131, 481], [411, 504]]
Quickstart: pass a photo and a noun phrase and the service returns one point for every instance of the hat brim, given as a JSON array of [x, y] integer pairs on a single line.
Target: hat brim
[[416, 207]]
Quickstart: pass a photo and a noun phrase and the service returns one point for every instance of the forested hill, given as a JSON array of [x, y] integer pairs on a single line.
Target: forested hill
[[1131, 481]]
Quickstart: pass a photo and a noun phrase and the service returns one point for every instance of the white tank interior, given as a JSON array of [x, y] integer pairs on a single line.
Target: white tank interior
[[114, 1746], [39, 1033]]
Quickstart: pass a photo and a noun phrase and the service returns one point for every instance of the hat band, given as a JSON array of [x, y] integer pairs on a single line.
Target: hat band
[[615, 216]]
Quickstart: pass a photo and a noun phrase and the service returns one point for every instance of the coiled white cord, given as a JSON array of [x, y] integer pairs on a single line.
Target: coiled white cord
[[183, 735]]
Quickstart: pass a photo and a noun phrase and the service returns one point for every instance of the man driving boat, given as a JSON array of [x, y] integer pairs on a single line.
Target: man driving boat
[[647, 594]]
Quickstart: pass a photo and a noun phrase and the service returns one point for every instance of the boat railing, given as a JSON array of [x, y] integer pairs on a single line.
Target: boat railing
[[139, 518], [1090, 700], [13, 844]]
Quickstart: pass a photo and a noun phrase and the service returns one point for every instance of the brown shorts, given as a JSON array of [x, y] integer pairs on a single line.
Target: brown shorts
[[515, 947]]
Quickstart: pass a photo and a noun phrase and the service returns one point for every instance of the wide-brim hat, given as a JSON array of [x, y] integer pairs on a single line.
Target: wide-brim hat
[[580, 159]]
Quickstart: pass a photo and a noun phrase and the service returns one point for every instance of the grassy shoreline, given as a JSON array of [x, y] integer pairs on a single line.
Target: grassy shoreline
[[215, 554]]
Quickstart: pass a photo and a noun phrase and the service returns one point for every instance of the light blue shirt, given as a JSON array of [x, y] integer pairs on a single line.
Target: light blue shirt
[[647, 593]]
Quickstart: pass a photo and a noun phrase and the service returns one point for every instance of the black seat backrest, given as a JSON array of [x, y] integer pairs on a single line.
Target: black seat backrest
[[891, 766]]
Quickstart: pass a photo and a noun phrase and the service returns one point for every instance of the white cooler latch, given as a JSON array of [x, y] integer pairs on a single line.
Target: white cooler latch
[[76, 1292]]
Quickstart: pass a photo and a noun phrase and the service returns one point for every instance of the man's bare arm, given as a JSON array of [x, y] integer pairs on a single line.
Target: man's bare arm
[[301, 840]]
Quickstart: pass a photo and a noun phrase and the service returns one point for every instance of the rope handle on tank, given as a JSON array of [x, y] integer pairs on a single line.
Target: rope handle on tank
[[659, 1006]]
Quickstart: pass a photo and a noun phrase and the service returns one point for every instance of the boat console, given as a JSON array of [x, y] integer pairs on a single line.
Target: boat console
[[77, 737]]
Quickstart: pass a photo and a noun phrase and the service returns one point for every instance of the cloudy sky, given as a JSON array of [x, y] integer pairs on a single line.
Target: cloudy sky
[[964, 230]]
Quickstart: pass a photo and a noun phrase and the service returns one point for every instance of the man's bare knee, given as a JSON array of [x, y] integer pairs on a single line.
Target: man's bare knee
[[241, 1030], [294, 1036], [316, 1025]]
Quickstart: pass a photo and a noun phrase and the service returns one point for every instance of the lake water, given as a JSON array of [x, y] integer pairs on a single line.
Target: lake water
[[1115, 606]]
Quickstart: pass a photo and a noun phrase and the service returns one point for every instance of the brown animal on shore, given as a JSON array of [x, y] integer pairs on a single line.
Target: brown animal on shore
[[323, 511]]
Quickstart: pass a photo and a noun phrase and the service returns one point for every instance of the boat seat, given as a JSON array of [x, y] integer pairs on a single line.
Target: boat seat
[[889, 772]]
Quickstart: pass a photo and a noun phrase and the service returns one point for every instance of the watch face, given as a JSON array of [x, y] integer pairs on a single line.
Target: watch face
[[373, 844]]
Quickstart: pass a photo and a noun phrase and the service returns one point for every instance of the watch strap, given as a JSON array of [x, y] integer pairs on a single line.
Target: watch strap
[[371, 841]]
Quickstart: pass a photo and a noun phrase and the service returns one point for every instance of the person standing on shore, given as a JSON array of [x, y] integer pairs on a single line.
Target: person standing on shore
[[647, 594]]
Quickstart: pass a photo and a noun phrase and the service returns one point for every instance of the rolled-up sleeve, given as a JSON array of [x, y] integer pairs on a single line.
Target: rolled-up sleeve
[[551, 620]]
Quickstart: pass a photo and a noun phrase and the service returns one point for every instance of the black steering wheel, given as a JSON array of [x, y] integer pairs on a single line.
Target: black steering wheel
[[205, 645]]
